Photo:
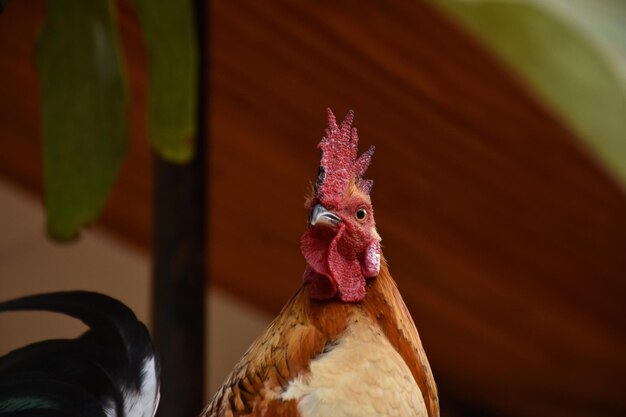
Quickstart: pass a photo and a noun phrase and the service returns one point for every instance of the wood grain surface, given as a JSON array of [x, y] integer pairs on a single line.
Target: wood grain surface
[[507, 240]]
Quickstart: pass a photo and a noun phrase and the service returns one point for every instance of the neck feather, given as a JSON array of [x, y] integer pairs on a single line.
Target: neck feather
[[385, 306]]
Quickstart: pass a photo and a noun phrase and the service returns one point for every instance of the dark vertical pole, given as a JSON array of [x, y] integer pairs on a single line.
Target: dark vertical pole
[[180, 264]]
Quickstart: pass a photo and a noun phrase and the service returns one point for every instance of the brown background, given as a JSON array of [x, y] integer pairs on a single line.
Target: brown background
[[507, 240]]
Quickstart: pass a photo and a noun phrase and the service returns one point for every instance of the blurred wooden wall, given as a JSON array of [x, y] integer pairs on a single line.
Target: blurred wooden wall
[[508, 242]]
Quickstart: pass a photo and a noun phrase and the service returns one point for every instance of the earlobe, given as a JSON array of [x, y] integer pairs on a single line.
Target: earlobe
[[371, 261]]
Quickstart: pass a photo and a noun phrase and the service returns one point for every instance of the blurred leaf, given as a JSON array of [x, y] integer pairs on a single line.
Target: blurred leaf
[[169, 30], [84, 109], [573, 54]]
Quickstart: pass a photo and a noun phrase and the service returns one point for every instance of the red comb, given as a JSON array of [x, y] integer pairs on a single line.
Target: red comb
[[339, 163]]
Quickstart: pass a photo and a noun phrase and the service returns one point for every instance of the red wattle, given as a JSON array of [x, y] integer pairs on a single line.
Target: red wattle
[[345, 269], [322, 286], [333, 267]]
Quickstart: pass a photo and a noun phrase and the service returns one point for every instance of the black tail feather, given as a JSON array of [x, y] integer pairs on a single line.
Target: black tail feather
[[34, 394], [111, 370]]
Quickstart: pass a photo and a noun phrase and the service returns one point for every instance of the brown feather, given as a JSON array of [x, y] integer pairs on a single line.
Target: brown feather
[[283, 352], [386, 307], [301, 332]]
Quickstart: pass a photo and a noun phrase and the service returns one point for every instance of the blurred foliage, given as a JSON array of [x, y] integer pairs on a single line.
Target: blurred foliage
[[84, 109], [169, 31], [572, 53], [85, 100]]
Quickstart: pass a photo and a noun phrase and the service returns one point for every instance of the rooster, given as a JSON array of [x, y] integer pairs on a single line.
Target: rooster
[[345, 344], [112, 370]]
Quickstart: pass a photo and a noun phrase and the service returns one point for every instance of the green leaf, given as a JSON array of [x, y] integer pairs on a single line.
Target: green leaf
[[84, 110], [170, 35], [572, 53]]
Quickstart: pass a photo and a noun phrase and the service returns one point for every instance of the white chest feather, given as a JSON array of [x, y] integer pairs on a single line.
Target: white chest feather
[[362, 376]]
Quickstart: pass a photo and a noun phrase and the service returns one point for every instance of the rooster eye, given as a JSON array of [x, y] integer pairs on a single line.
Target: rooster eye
[[360, 214]]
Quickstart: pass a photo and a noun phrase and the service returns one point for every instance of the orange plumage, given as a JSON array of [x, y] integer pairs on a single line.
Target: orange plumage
[[345, 344]]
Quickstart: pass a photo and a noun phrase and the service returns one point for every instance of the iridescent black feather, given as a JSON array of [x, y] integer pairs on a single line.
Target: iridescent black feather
[[111, 370]]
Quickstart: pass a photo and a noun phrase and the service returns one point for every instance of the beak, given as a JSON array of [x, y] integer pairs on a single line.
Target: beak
[[322, 217]]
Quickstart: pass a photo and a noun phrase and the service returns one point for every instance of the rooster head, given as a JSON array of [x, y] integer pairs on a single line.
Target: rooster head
[[341, 245]]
